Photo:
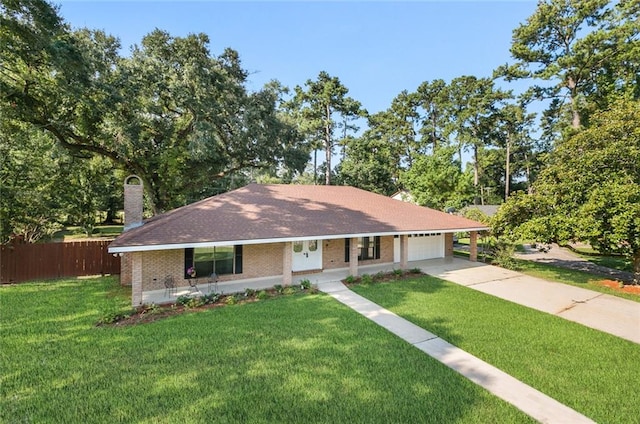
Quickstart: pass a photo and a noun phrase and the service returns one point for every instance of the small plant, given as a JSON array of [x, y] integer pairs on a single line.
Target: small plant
[[149, 309], [210, 298], [289, 290], [397, 272], [305, 284], [503, 254], [195, 302], [249, 292], [415, 270], [111, 317], [313, 289], [231, 300], [183, 300], [262, 295], [350, 279], [278, 288], [366, 279]]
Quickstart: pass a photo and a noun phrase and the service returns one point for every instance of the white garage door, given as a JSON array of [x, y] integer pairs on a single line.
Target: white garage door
[[421, 246]]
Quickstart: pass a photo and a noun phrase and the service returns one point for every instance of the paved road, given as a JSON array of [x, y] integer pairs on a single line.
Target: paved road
[[565, 258]]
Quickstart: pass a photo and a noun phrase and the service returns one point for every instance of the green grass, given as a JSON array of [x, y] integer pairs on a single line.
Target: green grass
[[593, 372], [569, 276], [76, 233], [300, 358]]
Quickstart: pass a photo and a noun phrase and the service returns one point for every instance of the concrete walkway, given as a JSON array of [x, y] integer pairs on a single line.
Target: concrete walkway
[[611, 314], [529, 400]]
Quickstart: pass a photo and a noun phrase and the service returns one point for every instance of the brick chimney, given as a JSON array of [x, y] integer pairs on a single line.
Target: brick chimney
[[133, 201]]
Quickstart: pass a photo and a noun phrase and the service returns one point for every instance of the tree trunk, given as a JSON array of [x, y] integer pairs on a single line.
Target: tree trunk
[[507, 176], [636, 267], [315, 166], [328, 145], [575, 113]]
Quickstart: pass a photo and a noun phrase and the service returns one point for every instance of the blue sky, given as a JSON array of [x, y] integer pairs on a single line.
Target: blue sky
[[377, 49]]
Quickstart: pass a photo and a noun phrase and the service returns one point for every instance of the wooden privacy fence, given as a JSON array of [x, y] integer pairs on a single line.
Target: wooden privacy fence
[[24, 261]]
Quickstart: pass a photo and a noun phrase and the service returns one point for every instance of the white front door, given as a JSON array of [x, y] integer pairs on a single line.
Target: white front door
[[307, 255]]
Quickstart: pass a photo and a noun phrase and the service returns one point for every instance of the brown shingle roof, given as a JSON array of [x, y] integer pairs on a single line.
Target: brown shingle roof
[[272, 212]]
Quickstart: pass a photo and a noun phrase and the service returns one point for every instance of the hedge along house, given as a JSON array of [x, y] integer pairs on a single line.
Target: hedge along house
[[281, 231]]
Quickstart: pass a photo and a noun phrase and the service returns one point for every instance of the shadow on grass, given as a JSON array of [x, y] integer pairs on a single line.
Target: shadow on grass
[[291, 359]]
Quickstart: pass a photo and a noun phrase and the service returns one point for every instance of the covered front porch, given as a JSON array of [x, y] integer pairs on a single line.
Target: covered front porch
[[238, 286]]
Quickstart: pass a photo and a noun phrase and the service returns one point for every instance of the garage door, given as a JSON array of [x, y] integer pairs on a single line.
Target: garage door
[[421, 246]]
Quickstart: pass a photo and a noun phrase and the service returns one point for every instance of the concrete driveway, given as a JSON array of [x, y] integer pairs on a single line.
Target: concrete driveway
[[603, 312]]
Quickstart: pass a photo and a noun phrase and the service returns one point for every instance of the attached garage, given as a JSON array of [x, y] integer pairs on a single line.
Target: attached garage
[[421, 246]]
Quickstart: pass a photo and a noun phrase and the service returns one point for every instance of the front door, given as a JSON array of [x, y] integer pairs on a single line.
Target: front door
[[307, 255]]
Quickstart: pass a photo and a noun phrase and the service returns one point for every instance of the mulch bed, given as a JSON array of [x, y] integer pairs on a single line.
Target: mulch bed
[[615, 285]]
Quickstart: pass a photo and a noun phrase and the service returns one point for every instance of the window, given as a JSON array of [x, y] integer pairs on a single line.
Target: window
[[297, 246], [368, 248], [313, 245], [219, 259]]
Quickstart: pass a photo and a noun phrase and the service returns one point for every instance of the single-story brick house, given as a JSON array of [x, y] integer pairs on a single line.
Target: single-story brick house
[[281, 230]]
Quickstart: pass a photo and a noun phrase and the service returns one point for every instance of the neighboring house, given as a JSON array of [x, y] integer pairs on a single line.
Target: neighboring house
[[404, 196], [489, 210], [280, 230]]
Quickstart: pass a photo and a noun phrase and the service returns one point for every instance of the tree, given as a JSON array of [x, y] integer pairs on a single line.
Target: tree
[[437, 181], [171, 113], [590, 191], [514, 131], [473, 110], [29, 165], [584, 48], [433, 100], [323, 109], [368, 164]]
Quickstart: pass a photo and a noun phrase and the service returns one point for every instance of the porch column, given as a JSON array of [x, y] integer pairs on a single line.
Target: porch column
[[136, 279], [404, 251], [353, 256], [287, 264], [448, 245], [473, 246]]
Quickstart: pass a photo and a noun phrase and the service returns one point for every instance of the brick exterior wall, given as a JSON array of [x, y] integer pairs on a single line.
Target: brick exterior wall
[[125, 269], [473, 246], [448, 245], [258, 260], [133, 203], [333, 253]]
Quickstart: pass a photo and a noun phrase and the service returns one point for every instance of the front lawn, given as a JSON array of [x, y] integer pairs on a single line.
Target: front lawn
[[595, 373], [299, 358]]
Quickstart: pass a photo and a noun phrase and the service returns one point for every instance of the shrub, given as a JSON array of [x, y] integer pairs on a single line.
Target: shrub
[[379, 276], [366, 279], [183, 300], [210, 298], [195, 302], [149, 309], [503, 254], [313, 289], [305, 284], [278, 288], [262, 294], [113, 316], [289, 290], [415, 270], [350, 279], [249, 292], [397, 272], [231, 300]]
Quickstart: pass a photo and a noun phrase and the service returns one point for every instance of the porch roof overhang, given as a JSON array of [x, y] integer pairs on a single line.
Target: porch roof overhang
[[173, 246]]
